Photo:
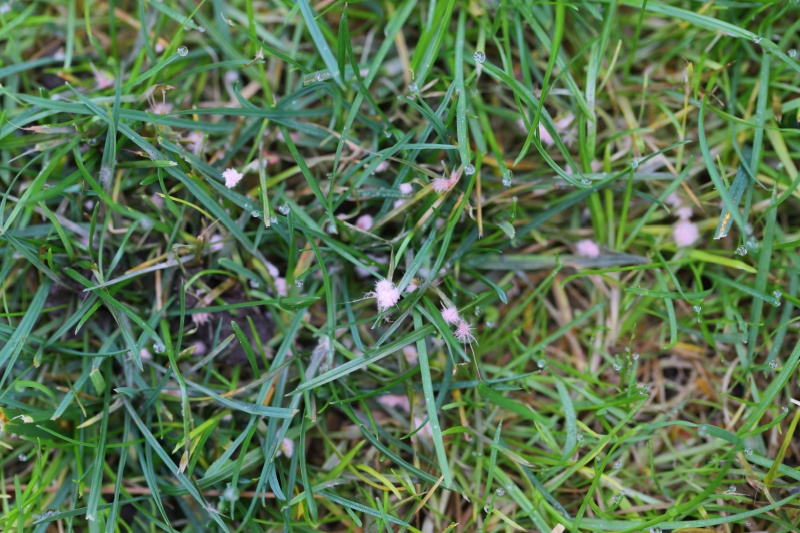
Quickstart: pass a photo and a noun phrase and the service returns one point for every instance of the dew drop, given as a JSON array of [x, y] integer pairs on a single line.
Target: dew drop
[[586, 181], [617, 465], [254, 284], [284, 209], [508, 178], [752, 244], [634, 163], [635, 356], [299, 283], [617, 367], [748, 451], [479, 57], [201, 29], [757, 39], [697, 309], [732, 488], [773, 364], [747, 523], [183, 51], [273, 219], [777, 294], [487, 509], [255, 214], [792, 53], [469, 169], [159, 348], [655, 530], [540, 363], [500, 492], [387, 134], [741, 250], [785, 409], [412, 87]]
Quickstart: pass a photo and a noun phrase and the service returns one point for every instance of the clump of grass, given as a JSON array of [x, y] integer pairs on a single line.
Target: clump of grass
[[416, 266]]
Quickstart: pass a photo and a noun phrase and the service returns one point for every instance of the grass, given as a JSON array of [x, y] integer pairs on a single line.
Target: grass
[[179, 355]]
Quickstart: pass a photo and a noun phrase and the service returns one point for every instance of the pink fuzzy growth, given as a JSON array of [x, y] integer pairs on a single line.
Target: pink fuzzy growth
[[684, 213], [383, 166], [364, 222], [200, 348], [411, 355], [442, 185], [103, 80], [450, 315], [673, 200], [411, 287], [201, 318], [280, 287], [272, 269], [587, 248], [395, 401], [685, 233], [286, 448], [406, 188], [386, 294], [425, 431], [544, 136], [232, 177], [464, 332]]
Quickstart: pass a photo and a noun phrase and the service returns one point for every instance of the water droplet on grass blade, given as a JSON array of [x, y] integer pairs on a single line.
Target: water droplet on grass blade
[[500, 492], [697, 309], [479, 57], [183, 51], [748, 451], [741, 250], [634, 163], [469, 169]]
